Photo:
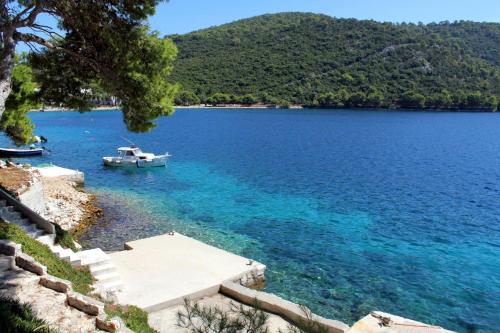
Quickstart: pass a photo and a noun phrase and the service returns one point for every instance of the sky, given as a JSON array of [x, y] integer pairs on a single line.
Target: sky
[[181, 16]]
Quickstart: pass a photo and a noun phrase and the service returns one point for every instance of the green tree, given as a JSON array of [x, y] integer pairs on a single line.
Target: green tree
[[104, 41], [187, 98], [492, 102], [23, 97], [374, 99], [249, 99], [357, 99], [474, 100], [219, 98], [331, 54], [412, 99]]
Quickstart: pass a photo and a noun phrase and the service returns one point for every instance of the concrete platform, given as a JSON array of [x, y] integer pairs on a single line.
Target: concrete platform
[[52, 171], [159, 272]]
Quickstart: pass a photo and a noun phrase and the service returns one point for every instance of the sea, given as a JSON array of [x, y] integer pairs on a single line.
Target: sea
[[352, 211]]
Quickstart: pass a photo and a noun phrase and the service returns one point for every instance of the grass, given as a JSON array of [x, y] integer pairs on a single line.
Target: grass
[[64, 239], [18, 318], [135, 318], [80, 278]]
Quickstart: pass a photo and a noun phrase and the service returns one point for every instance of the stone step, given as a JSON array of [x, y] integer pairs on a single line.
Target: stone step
[[56, 249], [21, 221], [93, 257], [66, 254], [110, 286], [36, 234], [47, 239], [11, 216], [6, 209], [3, 203], [107, 277], [6, 263], [29, 228], [102, 268], [17, 278]]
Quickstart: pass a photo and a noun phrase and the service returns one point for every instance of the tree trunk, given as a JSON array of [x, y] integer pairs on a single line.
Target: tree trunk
[[7, 62]]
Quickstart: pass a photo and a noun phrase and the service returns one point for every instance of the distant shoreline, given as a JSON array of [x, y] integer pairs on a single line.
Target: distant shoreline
[[271, 107], [200, 106]]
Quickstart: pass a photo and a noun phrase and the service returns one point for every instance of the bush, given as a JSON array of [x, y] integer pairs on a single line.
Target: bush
[[135, 318], [238, 319], [64, 239], [18, 318]]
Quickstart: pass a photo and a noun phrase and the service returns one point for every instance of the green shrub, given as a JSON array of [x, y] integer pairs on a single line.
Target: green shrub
[[18, 318], [135, 318], [80, 278], [238, 319], [64, 239]]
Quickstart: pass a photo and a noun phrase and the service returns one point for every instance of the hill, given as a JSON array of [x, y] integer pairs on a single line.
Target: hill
[[318, 60]]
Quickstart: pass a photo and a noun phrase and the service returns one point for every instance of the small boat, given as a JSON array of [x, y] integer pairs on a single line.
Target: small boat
[[13, 152], [133, 156]]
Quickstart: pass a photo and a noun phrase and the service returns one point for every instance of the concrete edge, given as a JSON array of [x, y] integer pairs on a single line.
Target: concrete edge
[[277, 305], [179, 300]]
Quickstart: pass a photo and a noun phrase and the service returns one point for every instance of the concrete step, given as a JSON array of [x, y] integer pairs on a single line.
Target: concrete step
[[56, 249], [6, 209], [107, 277], [110, 286], [29, 227], [66, 254], [21, 221], [102, 268], [47, 239], [36, 234], [11, 216], [93, 257]]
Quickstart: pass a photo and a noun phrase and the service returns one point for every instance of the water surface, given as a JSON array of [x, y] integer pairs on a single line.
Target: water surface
[[352, 211]]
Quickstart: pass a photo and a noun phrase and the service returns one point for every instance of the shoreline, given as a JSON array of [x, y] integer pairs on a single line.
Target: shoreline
[[57, 199], [277, 107]]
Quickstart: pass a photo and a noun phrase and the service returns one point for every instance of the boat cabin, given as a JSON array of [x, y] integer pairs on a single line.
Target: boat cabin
[[129, 152]]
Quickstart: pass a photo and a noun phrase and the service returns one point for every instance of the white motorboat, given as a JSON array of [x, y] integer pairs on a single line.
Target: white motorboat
[[134, 157]]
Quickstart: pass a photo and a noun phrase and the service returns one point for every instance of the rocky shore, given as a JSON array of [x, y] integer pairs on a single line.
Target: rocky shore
[[59, 200], [68, 205]]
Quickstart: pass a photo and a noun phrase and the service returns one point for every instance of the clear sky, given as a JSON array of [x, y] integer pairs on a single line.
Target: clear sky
[[181, 16]]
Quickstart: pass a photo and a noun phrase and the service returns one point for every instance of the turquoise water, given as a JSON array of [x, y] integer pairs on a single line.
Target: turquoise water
[[352, 211]]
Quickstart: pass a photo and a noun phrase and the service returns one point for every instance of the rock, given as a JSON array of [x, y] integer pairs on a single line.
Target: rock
[[109, 325], [56, 284], [85, 304], [8, 247], [28, 263]]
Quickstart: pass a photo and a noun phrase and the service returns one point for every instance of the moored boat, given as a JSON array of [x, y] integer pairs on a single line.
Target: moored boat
[[134, 157], [13, 152]]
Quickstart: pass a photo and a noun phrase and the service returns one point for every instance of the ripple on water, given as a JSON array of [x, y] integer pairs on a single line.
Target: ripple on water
[[350, 211]]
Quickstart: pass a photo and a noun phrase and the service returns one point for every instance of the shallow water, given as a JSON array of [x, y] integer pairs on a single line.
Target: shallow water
[[351, 211]]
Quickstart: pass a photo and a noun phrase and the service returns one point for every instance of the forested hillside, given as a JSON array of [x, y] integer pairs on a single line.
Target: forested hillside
[[310, 59]]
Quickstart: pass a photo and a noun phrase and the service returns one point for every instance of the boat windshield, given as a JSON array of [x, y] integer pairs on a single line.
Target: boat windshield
[[123, 152]]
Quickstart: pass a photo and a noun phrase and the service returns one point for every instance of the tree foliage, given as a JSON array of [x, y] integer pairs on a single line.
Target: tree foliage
[[317, 60], [103, 44], [23, 97]]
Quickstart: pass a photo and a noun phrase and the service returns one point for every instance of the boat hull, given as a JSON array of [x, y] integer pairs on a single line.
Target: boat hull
[[20, 152], [158, 161]]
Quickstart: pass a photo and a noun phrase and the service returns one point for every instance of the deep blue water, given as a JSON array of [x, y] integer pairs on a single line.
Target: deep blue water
[[351, 211]]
